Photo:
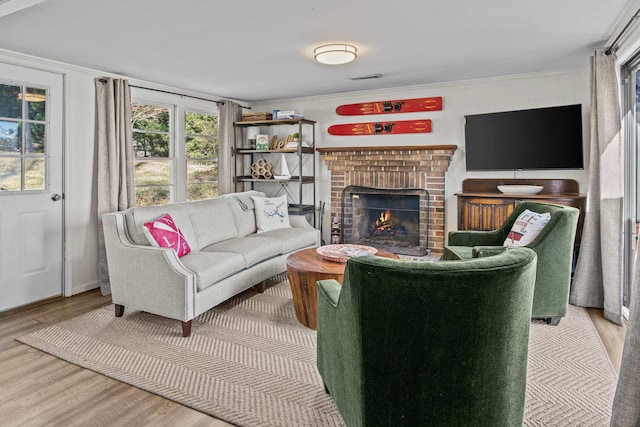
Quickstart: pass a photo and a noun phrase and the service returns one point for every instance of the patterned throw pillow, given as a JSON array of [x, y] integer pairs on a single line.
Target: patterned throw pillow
[[527, 226], [163, 232], [271, 213]]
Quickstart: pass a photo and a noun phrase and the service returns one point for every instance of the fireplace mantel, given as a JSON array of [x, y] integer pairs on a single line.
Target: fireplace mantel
[[406, 166], [323, 150]]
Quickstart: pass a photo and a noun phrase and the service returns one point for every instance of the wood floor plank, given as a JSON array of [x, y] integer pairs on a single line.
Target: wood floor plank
[[38, 389]]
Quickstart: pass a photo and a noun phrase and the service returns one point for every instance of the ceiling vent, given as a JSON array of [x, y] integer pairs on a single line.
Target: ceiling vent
[[369, 77]]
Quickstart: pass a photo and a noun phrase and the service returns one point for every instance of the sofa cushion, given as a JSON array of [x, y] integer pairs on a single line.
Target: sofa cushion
[[137, 216], [294, 238], [212, 221], [526, 227], [254, 248], [211, 267], [243, 211], [164, 233], [272, 213]]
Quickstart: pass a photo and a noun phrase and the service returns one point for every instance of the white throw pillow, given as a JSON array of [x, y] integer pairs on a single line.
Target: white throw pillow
[[271, 213], [527, 226]]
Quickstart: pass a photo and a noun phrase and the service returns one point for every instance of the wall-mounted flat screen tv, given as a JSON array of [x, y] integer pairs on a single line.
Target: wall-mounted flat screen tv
[[541, 138]]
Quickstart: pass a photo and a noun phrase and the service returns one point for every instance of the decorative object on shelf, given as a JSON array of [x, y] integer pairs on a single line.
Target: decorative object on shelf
[[282, 144], [393, 106], [381, 128], [342, 253], [262, 142], [261, 170], [520, 189], [252, 117], [335, 54], [289, 115], [282, 171]]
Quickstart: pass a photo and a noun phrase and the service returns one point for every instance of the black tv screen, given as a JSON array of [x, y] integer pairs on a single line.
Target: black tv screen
[[541, 138]]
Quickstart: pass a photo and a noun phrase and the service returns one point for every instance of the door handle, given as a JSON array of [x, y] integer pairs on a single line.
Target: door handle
[[56, 197]]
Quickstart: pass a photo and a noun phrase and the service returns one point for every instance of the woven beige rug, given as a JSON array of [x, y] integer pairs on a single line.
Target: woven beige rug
[[249, 362]]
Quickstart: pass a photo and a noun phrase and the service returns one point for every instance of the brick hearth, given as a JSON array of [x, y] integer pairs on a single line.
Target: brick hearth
[[393, 167]]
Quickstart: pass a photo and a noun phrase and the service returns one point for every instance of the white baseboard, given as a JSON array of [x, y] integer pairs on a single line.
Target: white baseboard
[[84, 287]]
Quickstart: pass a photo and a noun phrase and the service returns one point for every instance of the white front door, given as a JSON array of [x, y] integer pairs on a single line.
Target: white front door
[[31, 205]]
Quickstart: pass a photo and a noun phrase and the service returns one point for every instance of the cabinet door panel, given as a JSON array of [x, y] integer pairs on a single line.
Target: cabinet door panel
[[483, 214]]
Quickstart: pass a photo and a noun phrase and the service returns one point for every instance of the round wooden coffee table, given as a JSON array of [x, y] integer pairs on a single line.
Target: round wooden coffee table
[[305, 268]]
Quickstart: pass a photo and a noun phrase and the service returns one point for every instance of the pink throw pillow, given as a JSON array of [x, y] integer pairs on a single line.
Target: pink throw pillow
[[164, 233]]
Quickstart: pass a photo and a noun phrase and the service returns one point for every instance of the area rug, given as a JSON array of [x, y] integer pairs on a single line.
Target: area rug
[[249, 362]]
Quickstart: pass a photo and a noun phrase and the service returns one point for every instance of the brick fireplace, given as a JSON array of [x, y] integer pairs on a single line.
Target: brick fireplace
[[393, 167]]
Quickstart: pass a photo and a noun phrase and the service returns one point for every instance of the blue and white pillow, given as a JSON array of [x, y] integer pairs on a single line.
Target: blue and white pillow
[[272, 213]]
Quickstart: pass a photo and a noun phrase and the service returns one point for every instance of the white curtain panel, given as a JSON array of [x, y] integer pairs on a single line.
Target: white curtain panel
[[229, 112], [597, 280], [114, 147]]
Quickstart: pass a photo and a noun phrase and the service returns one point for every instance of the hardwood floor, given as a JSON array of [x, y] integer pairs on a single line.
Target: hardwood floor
[[37, 389]]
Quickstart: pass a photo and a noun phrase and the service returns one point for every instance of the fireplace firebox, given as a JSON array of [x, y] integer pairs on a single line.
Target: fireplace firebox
[[393, 219]]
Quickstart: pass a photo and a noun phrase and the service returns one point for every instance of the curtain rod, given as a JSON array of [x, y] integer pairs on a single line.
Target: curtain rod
[[624, 30], [180, 94], [188, 96]]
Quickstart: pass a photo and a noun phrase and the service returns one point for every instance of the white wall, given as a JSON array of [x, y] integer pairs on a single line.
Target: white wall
[[459, 99]]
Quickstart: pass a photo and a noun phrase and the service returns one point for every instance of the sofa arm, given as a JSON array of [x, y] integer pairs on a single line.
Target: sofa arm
[[299, 221], [474, 238], [485, 251], [147, 278], [329, 290]]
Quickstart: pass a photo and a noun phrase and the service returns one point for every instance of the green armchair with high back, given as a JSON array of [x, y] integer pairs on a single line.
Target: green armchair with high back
[[406, 343], [553, 245]]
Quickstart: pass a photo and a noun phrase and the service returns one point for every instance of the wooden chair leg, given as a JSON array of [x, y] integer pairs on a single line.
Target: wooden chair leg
[[186, 328], [260, 287], [119, 310]]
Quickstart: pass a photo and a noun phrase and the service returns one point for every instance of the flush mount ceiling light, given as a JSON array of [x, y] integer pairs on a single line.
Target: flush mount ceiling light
[[335, 54]]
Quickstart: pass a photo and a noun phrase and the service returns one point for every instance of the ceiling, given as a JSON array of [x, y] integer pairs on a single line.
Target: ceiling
[[257, 50]]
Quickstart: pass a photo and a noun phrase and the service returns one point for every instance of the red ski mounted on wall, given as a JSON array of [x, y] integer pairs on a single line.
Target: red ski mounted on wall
[[381, 128], [415, 105]]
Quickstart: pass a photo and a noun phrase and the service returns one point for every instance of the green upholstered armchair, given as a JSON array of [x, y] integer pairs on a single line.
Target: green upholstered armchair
[[554, 247], [405, 343]]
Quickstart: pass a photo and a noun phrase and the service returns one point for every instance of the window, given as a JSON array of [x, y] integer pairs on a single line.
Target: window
[[201, 143], [153, 154], [175, 152], [23, 136]]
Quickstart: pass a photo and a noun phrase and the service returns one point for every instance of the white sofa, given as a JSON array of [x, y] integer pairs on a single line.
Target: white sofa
[[227, 256]]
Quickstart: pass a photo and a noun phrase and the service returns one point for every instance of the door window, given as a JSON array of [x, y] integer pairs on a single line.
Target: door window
[[23, 138]]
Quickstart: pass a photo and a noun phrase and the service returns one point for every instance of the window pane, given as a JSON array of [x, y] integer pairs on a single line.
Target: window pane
[[202, 171], [202, 148], [149, 196], [35, 138], [151, 144], [34, 174], [10, 137], [150, 117], [152, 172], [201, 124], [36, 104], [10, 173], [202, 191], [10, 102]]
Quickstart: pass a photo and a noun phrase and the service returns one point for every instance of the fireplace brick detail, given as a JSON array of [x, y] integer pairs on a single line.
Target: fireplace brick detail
[[393, 167]]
